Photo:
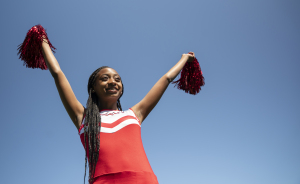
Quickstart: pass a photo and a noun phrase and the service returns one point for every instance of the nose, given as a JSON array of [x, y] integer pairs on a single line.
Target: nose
[[112, 81]]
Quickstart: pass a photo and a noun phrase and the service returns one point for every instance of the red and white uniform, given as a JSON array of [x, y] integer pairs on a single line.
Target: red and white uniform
[[122, 158]]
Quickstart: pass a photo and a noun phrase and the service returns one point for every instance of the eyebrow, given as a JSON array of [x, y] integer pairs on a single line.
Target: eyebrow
[[109, 75]]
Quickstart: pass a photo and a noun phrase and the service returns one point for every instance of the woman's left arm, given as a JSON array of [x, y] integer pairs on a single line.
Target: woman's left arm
[[145, 106]]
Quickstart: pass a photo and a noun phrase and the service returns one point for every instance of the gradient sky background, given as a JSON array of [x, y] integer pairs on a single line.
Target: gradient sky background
[[243, 127]]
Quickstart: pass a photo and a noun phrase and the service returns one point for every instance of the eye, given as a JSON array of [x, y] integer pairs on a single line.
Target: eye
[[104, 78], [117, 79]]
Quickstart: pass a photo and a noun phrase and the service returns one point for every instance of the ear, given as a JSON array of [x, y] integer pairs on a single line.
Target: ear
[[93, 88]]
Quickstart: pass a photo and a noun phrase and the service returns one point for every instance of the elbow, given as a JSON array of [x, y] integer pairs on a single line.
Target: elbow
[[55, 73], [168, 78]]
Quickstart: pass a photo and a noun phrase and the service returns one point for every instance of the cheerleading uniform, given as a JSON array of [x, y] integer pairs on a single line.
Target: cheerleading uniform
[[122, 158]]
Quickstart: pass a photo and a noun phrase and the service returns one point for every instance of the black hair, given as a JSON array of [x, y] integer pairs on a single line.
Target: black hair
[[92, 125]]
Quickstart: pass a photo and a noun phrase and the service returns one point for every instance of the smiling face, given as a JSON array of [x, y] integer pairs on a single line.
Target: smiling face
[[108, 85]]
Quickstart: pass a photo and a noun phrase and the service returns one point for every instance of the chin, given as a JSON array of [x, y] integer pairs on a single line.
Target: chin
[[113, 96]]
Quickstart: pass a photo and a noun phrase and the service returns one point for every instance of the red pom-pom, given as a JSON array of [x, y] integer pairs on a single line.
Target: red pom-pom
[[30, 50], [191, 78]]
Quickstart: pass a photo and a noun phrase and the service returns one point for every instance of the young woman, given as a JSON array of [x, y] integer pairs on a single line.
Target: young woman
[[110, 136]]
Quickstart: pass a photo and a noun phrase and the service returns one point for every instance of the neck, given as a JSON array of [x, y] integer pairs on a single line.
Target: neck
[[108, 105]]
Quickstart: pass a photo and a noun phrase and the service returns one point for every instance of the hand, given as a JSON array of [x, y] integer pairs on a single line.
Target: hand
[[189, 57]]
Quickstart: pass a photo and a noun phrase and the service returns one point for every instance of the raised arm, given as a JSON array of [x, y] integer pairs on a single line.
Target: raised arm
[[145, 106], [67, 96]]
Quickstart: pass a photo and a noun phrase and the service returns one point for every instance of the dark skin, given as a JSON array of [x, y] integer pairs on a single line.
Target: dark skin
[[108, 88]]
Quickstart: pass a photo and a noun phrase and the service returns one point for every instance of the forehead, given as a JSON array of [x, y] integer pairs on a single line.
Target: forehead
[[107, 71]]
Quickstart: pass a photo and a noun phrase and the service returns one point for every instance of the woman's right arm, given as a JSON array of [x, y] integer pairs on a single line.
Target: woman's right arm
[[67, 96]]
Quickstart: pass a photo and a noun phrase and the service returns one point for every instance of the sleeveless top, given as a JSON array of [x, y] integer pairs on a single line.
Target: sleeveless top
[[121, 147]]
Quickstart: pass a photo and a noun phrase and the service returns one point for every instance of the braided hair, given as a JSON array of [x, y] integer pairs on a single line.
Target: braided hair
[[92, 125]]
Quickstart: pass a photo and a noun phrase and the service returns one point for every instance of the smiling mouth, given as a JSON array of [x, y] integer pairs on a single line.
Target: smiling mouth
[[112, 90]]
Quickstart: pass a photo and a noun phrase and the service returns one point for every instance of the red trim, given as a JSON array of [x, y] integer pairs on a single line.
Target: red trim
[[82, 124], [135, 116]]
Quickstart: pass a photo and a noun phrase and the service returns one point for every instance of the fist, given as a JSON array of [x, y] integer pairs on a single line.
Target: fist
[[189, 56]]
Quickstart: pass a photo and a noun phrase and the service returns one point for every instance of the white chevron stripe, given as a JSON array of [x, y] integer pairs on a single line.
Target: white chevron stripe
[[119, 126], [112, 118], [116, 128]]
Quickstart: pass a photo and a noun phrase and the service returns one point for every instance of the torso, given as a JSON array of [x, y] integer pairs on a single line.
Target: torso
[[121, 148]]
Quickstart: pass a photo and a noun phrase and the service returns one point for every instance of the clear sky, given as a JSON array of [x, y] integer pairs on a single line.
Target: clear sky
[[243, 127]]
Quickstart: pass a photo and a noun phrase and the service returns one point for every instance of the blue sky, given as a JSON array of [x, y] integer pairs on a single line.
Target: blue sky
[[243, 127]]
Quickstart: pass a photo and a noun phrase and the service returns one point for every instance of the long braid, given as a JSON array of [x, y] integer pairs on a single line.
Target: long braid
[[118, 101], [92, 126], [119, 105]]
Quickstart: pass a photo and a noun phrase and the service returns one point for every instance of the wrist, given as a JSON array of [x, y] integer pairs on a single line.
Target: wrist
[[184, 57]]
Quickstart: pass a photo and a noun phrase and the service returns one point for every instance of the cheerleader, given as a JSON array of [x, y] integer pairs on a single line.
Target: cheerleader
[[110, 135]]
